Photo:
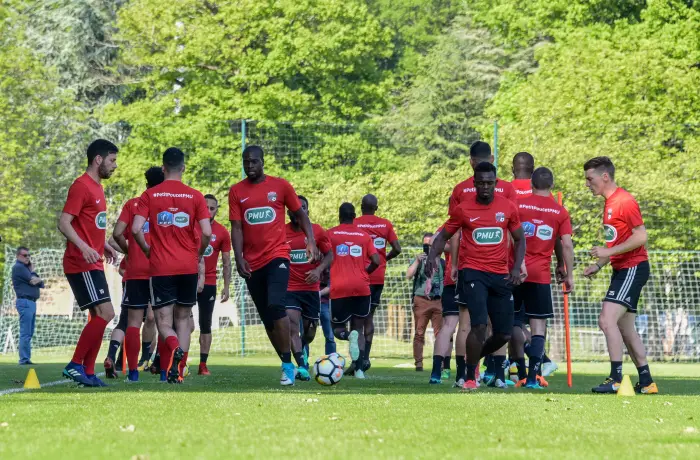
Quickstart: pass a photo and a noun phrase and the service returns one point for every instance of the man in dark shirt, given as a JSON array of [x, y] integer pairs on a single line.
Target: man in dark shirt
[[26, 284]]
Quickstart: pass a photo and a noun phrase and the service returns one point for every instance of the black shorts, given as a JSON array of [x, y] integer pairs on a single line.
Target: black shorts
[[137, 294], [307, 302], [173, 289], [89, 288], [268, 288], [346, 307], [626, 286], [533, 300], [449, 306], [205, 302], [487, 295], [375, 295]]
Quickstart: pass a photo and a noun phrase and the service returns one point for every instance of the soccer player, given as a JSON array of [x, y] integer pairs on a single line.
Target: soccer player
[[172, 210], [382, 232], [136, 296], [485, 281], [303, 299], [625, 237], [354, 259], [220, 243], [543, 221], [256, 212], [83, 223]]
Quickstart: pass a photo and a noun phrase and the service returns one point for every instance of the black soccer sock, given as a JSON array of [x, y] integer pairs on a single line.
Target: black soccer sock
[[522, 370], [112, 351], [203, 357], [471, 372], [536, 351], [499, 367], [286, 357], [145, 351], [461, 367], [644, 375], [446, 362], [616, 371], [490, 369], [299, 358], [527, 349], [545, 358], [368, 348], [437, 365]]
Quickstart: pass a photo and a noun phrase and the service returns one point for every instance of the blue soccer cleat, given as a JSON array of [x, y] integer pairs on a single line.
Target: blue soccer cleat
[[95, 381], [354, 346], [303, 374], [435, 381], [533, 386], [163, 376], [76, 372], [288, 374], [133, 376]]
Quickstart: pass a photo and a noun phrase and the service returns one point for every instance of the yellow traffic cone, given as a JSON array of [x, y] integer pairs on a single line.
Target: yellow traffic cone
[[32, 381], [626, 388]]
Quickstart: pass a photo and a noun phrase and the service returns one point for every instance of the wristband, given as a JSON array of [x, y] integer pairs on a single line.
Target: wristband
[[599, 267]]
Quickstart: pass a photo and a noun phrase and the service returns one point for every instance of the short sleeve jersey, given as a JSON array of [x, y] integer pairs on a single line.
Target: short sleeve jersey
[[220, 242], [484, 239], [382, 233], [352, 249], [466, 189], [448, 281], [173, 210], [260, 209], [522, 187], [299, 262], [86, 203], [543, 221], [620, 216], [138, 266]]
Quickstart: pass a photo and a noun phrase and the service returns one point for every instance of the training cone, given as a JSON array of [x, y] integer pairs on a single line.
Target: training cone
[[626, 388], [32, 381]]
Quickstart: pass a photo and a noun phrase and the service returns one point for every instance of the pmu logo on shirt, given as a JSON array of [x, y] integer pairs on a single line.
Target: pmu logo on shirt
[[610, 233], [545, 232], [298, 256], [529, 229], [101, 220], [181, 219], [487, 236], [379, 243], [208, 251], [258, 216], [356, 251], [342, 250], [164, 219]]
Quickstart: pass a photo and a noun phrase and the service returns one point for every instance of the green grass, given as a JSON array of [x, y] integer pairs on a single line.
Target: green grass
[[241, 411]]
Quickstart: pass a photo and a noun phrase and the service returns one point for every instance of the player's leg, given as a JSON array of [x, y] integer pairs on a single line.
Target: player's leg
[[376, 298], [357, 324], [538, 308], [294, 316], [164, 293], [538, 328], [327, 328], [310, 316], [132, 341], [148, 336], [205, 302], [610, 314], [475, 295], [184, 319], [421, 315], [115, 341], [516, 345], [500, 311], [443, 346]]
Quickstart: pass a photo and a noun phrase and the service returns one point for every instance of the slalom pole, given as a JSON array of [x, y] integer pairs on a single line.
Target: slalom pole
[[567, 328]]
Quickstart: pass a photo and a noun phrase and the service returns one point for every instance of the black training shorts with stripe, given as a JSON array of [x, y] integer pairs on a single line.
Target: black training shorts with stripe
[[89, 288], [626, 286]]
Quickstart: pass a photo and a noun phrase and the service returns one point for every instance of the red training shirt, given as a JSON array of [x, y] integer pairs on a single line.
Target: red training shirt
[[173, 210], [352, 251], [137, 266], [260, 209], [86, 202], [382, 233], [448, 281], [620, 216], [543, 222], [220, 242], [522, 187], [299, 263], [484, 240], [466, 189]]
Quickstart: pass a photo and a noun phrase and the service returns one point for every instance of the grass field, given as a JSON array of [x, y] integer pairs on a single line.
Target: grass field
[[241, 411]]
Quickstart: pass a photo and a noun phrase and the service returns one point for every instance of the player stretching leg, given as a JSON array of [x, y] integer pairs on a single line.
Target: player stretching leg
[[485, 281], [83, 223], [625, 237], [543, 221], [173, 210], [354, 258], [303, 300], [256, 212], [206, 299], [382, 232]]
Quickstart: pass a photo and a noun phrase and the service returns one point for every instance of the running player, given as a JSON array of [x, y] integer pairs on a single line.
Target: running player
[[382, 232], [543, 221], [485, 281], [206, 299], [256, 212], [136, 296], [625, 237], [172, 210], [83, 223], [354, 260], [303, 299]]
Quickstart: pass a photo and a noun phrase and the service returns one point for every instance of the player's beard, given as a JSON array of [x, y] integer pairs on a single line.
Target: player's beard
[[103, 172]]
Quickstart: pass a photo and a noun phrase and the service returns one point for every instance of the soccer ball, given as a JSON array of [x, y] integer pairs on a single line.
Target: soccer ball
[[341, 359], [328, 369]]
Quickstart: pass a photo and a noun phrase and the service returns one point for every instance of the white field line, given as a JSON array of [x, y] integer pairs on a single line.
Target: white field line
[[43, 385]]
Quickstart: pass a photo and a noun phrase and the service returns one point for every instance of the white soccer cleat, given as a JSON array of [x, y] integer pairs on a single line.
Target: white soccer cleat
[[549, 368], [354, 347], [359, 374], [500, 384], [285, 380], [458, 384]]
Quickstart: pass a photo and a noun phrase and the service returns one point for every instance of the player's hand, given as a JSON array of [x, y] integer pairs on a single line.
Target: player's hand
[[560, 273], [590, 271], [429, 265], [110, 254], [243, 268], [90, 255], [454, 273], [523, 272], [569, 284], [514, 276], [312, 252], [200, 285], [225, 294], [313, 276], [601, 252]]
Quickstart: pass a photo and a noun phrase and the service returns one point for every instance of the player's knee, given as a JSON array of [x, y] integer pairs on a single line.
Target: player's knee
[[606, 324], [503, 337], [277, 312]]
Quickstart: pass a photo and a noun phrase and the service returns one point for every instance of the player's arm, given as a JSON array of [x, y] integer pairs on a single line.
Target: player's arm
[[518, 236], [560, 271], [638, 239], [567, 246], [314, 276], [454, 254], [438, 246], [226, 259], [237, 242], [395, 245], [312, 251], [373, 263], [90, 255], [201, 274], [137, 233], [205, 226], [118, 237]]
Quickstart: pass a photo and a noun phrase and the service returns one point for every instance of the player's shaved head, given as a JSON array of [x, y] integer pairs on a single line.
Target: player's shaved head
[[346, 213], [542, 179], [253, 163], [523, 165], [369, 204]]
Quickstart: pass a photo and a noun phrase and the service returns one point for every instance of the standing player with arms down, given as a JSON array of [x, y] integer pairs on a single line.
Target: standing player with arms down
[[382, 232], [83, 223], [173, 209], [625, 237], [485, 283], [303, 299], [256, 212], [543, 221], [206, 299], [354, 260]]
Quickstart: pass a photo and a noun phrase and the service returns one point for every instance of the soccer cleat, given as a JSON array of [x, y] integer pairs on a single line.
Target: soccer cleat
[[470, 385], [509, 383], [203, 369], [458, 384], [144, 364], [366, 365], [133, 377], [445, 374], [174, 372], [110, 371], [609, 386], [434, 380], [488, 379], [163, 376], [533, 386], [95, 381], [650, 389], [76, 372], [288, 373], [521, 383], [354, 347], [542, 382], [359, 374], [303, 374], [498, 383], [549, 368]]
